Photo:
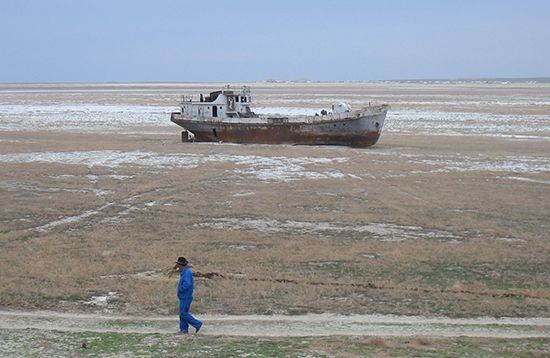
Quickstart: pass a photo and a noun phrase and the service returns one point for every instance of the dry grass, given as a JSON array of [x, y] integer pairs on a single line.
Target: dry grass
[[66, 264]]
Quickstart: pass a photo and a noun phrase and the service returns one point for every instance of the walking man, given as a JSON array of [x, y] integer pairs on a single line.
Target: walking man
[[185, 295]]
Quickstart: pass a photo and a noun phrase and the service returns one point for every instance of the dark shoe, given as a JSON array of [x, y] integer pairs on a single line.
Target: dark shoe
[[197, 329]]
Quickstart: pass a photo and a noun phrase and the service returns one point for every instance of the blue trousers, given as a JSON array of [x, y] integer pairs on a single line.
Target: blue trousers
[[186, 318]]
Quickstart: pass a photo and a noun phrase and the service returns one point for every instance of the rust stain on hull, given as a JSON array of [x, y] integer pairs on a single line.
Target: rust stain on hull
[[344, 132]]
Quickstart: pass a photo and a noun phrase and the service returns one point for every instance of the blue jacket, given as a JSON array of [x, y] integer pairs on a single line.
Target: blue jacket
[[185, 286]]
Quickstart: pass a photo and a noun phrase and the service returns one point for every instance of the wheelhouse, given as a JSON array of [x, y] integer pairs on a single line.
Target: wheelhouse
[[226, 103]]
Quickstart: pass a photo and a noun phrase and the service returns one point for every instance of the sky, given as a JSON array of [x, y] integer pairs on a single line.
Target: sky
[[243, 40]]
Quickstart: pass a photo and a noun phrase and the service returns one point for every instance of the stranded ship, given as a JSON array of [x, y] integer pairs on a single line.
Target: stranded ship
[[226, 116]]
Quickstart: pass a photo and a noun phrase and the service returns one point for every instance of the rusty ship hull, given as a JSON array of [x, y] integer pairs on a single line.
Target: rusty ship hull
[[357, 129]]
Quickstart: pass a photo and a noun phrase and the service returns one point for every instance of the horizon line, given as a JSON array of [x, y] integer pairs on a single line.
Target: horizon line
[[269, 80]]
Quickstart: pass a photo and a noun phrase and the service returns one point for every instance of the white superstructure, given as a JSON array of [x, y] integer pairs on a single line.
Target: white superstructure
[[226, 103]]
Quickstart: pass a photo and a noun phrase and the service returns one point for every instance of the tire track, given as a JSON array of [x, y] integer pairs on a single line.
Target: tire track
[[308, 325]]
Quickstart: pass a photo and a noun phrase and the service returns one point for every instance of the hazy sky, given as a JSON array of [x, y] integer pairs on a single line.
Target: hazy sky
[[241, 40]]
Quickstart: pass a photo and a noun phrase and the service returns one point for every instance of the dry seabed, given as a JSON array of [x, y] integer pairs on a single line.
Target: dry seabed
[[450, 200]]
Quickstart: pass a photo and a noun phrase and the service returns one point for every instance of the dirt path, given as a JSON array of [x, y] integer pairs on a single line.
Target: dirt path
[[286, 326]]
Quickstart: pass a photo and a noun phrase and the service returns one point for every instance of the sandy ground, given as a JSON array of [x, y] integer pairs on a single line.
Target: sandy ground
[[286, 326], [98, 192]]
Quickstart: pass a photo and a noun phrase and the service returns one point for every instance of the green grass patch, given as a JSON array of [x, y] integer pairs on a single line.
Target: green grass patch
[[89, 344], [437, 274]]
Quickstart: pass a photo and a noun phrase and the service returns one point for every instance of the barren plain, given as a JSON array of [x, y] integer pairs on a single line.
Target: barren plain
[[448, 215]]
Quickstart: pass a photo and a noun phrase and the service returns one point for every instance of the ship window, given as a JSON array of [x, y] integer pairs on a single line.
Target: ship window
[[237, 99], [208, 107], [220, 107], [243, 99]]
